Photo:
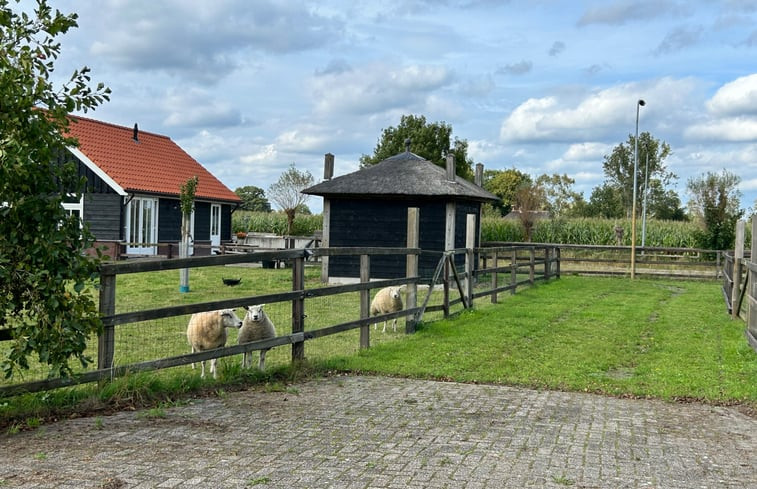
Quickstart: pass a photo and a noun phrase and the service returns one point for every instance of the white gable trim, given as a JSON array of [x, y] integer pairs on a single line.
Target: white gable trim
[[97, 171]]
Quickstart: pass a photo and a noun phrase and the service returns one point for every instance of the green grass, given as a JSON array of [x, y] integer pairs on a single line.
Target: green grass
[[647, 338]]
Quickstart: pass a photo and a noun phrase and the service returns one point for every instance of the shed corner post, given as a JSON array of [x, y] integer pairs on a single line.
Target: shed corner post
[[470, 248], [411, 270], [365, 302], [298, 308], [107, 305]]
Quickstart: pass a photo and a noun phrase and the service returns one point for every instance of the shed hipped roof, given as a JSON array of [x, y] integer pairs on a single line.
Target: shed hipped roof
[[152, 164], [405, 174]]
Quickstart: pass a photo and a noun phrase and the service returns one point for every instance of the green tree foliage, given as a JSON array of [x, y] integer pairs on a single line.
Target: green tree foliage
[[618, 168], [664, 204], [504, 184], [559, 197], [605, 201], [45, 276], [529, 198], [253, 199], [431, 141], [715, 205], [286, 192]]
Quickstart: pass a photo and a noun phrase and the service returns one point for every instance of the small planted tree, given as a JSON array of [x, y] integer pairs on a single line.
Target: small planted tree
[[287, 194], [47, 304], [187, 198]]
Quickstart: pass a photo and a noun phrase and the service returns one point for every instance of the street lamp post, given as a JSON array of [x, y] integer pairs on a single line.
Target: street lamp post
[[644, 205], [639, 104]]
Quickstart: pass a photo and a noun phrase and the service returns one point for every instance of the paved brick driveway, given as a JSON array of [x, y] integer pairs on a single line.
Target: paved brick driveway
[[377, 432]]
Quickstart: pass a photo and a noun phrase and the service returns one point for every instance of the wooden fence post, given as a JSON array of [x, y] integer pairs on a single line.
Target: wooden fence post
[[411, 267], [470, 257], [298, 308], [495, 265], [738, 257], [557, 258], [751, 320], [107, 340], [514, 272], [547, 263], [445, 283], [365, 302], [532, 265]]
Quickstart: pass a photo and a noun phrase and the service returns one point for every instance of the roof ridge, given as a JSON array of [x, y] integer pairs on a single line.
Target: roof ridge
[[75, 118]]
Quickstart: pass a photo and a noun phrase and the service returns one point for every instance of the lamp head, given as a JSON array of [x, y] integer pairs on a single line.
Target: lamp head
[[641, 102]]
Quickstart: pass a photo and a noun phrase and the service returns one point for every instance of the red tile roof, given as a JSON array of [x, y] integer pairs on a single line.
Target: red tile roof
[[154, 164]]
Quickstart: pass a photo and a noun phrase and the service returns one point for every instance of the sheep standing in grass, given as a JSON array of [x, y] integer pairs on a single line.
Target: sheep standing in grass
[[207, 330], [387, 300], [255, 327]]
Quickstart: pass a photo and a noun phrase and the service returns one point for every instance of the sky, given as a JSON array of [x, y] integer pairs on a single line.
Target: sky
[[250, 87]]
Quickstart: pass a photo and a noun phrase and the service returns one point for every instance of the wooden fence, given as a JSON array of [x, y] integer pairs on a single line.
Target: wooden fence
[[739, 279], [523, 264], [663, 262]]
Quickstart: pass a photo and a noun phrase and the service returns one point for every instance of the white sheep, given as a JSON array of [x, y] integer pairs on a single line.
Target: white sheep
[[255, 327], [207, 330], [387, 300]]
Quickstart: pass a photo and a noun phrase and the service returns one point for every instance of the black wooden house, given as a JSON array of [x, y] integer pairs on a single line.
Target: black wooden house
[[368, 208], [131, 200]]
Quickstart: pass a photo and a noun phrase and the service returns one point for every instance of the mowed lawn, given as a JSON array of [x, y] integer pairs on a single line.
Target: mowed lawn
[[647, 338]]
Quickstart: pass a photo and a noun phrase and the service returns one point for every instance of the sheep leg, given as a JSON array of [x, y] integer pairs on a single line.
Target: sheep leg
[[213, 367], [261, 363], [384, 330], [246, 359], [394, 324], [193, 363]]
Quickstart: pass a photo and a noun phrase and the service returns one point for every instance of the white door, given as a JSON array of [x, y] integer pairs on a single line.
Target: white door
[[142, 226], [215, 228]]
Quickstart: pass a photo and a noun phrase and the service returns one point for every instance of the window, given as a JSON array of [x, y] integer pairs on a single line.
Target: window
[[142, 225]]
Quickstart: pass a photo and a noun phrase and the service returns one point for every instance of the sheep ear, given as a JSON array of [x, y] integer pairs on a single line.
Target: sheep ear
[[261, 306], [246, 308]]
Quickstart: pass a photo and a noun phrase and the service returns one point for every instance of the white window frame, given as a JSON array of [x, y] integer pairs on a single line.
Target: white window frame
[[140, 233]]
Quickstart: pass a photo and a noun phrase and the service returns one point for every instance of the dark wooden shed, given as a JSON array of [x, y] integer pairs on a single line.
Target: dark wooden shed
[[369, 208]]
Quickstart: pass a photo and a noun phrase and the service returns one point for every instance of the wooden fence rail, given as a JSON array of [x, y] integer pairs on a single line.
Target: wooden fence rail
[[539, 263]]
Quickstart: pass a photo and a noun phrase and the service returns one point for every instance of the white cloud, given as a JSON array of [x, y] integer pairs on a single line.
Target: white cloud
[[198, 108], [377, 87], [587, 151], [734, 129], [595, 115], [736, 97], [203, 40]]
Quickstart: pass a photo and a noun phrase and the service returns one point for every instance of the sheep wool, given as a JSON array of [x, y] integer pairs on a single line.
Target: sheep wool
[[207, 331], [255, 327], [386, 300]]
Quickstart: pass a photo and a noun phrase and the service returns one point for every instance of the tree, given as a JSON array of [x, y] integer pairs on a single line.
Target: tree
[[253, 199], [46, 277], [287, 192], [529, 198], [559, 196], [618, 168], [605, 201], [504, 184], [428, 140], [664, 204], [715, 205]]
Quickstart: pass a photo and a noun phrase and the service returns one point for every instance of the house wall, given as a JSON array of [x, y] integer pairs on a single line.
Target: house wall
[[103, 213], [383, 223]]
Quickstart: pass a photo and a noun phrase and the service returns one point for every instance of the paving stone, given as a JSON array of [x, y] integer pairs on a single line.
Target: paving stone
[[376, 432]]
